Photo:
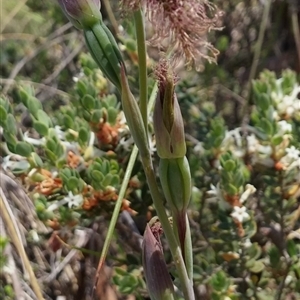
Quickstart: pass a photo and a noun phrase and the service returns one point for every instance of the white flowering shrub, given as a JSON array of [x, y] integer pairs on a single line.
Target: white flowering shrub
[[246, 195]]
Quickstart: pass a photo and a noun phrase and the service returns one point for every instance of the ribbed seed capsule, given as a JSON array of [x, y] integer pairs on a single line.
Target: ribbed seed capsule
[[105, 53]]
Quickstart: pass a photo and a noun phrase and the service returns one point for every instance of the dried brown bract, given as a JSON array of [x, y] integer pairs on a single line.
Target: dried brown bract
[[183, 26]]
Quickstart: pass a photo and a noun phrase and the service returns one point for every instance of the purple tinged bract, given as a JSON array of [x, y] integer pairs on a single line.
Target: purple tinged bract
[[158, 279], [82, 13]]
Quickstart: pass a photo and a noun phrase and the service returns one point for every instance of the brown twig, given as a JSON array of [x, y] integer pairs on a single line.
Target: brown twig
[[295, 26], [53, 39], [36, 84], [10, 221]]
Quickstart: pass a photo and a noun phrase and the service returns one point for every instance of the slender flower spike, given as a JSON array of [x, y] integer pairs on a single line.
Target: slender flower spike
[[81, 13], [133, 116], [159, 283], [167, 118]]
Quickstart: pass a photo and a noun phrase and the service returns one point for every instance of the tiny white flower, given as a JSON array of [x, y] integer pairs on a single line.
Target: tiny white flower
[[6, 163], [199, 149], [252, 143], [250, 189], [295, 165], [60, 134], [284, 127], [266, 150], [72, 200], [215, 195], [92, 139], [275, 115], [32, 141], [240, 214], [126, 144], [247, 243], [293, 153]]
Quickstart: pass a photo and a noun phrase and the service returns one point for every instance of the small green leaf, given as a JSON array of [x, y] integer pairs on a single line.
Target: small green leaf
[[73, 183], [97, 175], [81, 88], [112, 115], [254, 251], [257, 267], [96, 116], [23, 149], [266, 126], [130, 45], [292, 248], [33, 106], [88, 102], [51, 145], [264, 102], [276, 140], [65, 174], [23, 96], [9, 138], [218, 141], [50, 155], [36, 160], [83, 135], [68, 121], [107, 180], [11, 147], [11, 124], [231, 189], [238, 178], [59, 151], [229, 165], [3, 115], [115, 180], [43, 118], [41, 128]]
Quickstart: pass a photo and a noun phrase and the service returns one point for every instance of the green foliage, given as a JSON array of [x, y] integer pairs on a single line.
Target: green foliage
[[243, 148]]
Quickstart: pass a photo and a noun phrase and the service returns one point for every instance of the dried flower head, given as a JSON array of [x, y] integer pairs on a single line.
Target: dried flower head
[[182, 25]]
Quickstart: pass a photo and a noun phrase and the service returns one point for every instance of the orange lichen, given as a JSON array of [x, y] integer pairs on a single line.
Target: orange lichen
[[89, 203], [106, 133], [229, 256], [54, 224], [233, 200], [73, 160], [240, 228], [108, 195], [49, 186], [126, 206]]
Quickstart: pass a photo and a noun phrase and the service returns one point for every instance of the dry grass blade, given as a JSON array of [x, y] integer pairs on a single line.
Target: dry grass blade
[[15, 236], [19, 293]]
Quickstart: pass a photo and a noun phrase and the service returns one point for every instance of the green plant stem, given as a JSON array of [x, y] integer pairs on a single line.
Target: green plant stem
[[118, 205], [115, 215], [111, 16], [142, 61], [257, 52], [158, 201], [295, 26]]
